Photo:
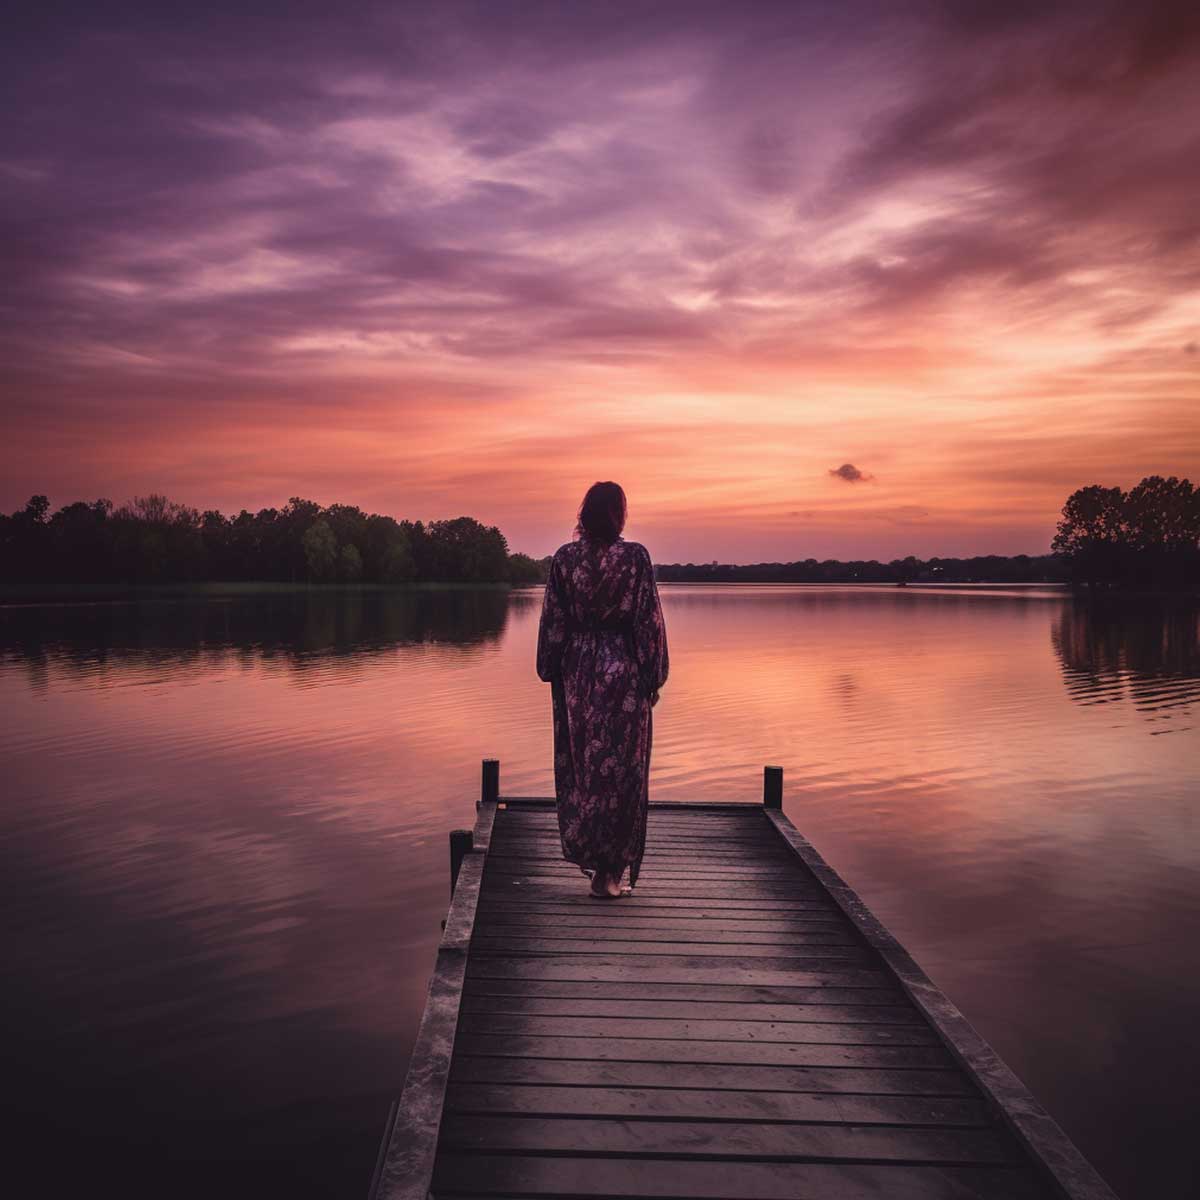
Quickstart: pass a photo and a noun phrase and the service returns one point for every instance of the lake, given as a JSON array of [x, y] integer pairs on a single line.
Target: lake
[[223, 841]]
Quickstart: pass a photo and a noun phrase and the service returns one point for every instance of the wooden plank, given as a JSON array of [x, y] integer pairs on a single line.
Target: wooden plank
[[657, 842], [678, 1050], [709, 1077], [699, 970], [803, 949], [490, 932], [656, 849], [509, 864], [637, 904], [700, 869], [619, 918], [659, 839], [886, 995], [678, 889], [731, 853], [759, 1012], [563, 1175], [701, 830], [699, 1104], [750, 868], [723, 1140], [809, 1032]]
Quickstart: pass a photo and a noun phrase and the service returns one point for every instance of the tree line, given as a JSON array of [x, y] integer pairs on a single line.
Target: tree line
[[1145, 538], [152, 539]]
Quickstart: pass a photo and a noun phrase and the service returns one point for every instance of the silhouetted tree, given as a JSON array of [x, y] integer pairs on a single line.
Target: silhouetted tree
[[1148, 537]]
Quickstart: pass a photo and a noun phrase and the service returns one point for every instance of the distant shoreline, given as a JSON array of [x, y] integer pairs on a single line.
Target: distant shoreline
[[12, 594]]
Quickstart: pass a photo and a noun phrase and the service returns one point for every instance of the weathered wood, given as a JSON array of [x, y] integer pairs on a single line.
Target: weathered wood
[[618, 968], [493, 932], [633, 924], [727, 993], [805, 948], [713, 1077], [636, 904], [700, 1104], [682, 1050], [837, 1033], [553, 884], [738, 1026], [561, 1175], [724, 1140], [754, 1012], [657, 873]]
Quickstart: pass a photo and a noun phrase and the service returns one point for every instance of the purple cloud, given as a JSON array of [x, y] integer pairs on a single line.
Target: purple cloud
[[850, 473]]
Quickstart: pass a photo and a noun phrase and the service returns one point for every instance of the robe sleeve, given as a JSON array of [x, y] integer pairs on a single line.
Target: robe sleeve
[[649, 631], [552, 629]]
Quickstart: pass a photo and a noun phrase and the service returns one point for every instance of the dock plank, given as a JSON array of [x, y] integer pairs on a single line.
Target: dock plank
[[758, 1012], [816, 1107], [710, 1077], [724, 1140], [560, 1175], [834, 1032]]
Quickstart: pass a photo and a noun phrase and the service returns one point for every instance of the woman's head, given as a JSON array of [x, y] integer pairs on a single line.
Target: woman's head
[[602, 513]]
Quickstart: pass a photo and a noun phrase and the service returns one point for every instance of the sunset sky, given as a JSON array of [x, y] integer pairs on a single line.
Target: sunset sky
[[808, 279]]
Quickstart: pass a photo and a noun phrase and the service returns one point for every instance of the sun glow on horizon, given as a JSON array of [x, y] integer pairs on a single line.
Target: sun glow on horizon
[[478, 274]]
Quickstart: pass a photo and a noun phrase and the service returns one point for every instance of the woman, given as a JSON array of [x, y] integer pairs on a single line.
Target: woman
[[602, 647]]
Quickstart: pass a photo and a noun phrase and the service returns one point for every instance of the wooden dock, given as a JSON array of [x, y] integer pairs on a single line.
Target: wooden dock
[[740, 1028]]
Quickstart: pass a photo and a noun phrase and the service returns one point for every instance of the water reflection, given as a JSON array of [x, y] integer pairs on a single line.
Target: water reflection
[[296, 627], [223, 857], [1145, 651]]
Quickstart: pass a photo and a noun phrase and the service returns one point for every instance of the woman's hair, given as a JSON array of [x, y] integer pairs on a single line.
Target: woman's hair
[[602, 513]]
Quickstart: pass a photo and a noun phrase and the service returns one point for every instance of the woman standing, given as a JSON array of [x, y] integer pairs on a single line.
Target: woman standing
[[602, 647]]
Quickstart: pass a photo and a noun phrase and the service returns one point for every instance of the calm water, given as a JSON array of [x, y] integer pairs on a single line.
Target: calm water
[[223, 846]]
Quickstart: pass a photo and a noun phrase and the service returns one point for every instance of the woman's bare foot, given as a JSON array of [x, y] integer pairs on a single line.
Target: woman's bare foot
[[607, 886]]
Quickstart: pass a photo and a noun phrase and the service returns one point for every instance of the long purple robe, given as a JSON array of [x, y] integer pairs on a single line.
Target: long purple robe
[[602, 646]]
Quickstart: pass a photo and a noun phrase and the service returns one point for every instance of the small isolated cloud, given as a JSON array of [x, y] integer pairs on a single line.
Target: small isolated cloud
[[850, 473]]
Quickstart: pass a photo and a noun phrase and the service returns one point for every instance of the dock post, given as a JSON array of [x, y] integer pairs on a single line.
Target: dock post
[[491, 781], [461, 841], [773, 787]]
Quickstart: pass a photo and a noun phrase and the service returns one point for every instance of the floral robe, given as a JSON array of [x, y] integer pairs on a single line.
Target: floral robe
[[602, 646]]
